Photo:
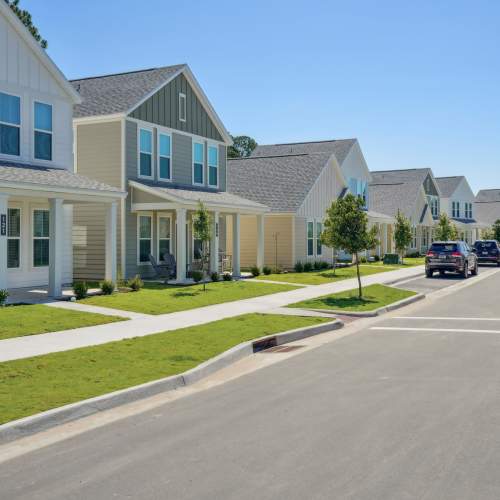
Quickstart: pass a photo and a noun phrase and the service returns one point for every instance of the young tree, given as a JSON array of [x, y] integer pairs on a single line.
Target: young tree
[[201, 231], [495, 230], [243, 146], [445, 230], [346, 227], [26, 19], [402, 234]]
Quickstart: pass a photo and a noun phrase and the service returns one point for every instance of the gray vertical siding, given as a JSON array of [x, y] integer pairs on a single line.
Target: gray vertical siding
[[182, 151], [222, 167]]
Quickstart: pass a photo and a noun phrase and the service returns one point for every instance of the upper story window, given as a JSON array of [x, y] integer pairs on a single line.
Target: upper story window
[[145, 153], [455, 209], [468, 210], [213, 166], [164, 157], [434, 205], [10, 124], [198, 162], [43, 131], [182, 107], [359, 187]]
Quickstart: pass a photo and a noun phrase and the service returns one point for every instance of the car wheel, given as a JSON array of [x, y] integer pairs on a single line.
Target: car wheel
[[475, 269], [429, 273], [465, 273], [442, 273]]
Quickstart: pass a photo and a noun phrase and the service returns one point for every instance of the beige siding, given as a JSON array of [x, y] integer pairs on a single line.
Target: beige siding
[[98, 155]]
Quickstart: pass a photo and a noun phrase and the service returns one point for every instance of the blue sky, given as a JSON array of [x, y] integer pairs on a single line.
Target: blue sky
[[418, 83]]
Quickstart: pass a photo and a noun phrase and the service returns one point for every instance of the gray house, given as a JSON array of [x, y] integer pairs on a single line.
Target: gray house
[[155, 134]]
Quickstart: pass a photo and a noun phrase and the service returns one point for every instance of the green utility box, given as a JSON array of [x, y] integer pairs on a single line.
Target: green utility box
[[391, 258]]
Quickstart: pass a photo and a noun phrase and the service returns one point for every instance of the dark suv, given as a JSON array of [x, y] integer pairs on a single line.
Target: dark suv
[[487, 251], [454, 256]]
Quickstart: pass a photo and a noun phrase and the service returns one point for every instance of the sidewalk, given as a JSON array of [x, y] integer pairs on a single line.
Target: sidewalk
[[34, 345]]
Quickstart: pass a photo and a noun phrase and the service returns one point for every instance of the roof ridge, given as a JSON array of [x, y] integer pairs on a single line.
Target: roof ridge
[[124, 73], [399, 170], [258, 157], [309, 142], [489, 189], [450, 177]]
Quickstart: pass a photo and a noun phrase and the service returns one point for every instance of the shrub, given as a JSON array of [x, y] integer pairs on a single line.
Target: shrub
[[308, 267], [413, 255], [197, 276], [277, 270], [299, 267], [255, 271], [4, 295], [363, 259], [376, 258], [107, 287], [135, 283], [214, 276], [80, 289], [227, 277], [267, 270], [324, 264]]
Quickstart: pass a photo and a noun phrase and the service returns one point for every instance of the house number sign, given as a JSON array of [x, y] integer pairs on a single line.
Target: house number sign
[[3, 225]]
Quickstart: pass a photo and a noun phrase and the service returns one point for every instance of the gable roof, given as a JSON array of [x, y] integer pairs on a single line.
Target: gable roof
[[41, 54], [398, 176], [389, 197], [448, 185], [488, 195], [339, 147], [281, 182], [487, 212]]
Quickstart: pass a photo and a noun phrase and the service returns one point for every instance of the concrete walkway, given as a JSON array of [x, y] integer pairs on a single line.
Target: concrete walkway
[[108, 311], [34, 345]]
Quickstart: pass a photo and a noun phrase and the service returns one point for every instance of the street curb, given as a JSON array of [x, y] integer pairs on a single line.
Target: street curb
[[34, 424], [376, 312]]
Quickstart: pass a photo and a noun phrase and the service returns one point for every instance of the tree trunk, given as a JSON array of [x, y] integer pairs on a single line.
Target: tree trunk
[[360, 290], [334, 261]]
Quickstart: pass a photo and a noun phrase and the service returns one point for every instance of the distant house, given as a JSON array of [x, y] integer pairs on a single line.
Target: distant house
[[487, 206], [457, 201], [298, 182]]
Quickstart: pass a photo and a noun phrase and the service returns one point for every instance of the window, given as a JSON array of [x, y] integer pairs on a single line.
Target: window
[[10, 124], [414, 237], [358, 187], [40, 238], [319, 230], [145, 237], [145, 153], [468, 210], [310, 239], [164, 235], [434, 204], [164, 157], [43, 131], [13, 238], [213, 166], [455, 209], [198, 162], [182, 107]]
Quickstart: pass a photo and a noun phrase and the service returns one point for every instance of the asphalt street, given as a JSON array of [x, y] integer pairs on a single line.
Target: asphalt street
[[406, 408]]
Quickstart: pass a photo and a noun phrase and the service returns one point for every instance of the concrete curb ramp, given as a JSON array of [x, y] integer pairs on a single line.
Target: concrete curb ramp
[[42, 421], [376, 312]]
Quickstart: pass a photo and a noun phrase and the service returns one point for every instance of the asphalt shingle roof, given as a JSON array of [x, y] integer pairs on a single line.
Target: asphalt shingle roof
[[488, 195], [118, 93], [46, 176], [388, 198], [397, 176], [339, 147], [448, 185], [487, 212], [280, 182]]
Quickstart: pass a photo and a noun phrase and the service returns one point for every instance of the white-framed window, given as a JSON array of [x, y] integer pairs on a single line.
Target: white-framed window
[[10, 124], [414, 237], [468, 210], [455, 209], [213, 166], [41, 237], [42, 134], [144, 238], [198, 163], [310, 238], [319, 230], [164, 230], [164, 156], [145, 166], [434, 205], [182, 107], [13, 238]]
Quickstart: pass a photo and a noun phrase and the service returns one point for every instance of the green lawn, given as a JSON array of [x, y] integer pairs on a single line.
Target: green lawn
[[408, 262], [29, 386], [161, 299], [18, 321], [374, 296]]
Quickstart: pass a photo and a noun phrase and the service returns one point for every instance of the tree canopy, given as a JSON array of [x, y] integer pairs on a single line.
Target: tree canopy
[[402, 234], [201, 231], [243, 146], [445, 230], [26, 19]]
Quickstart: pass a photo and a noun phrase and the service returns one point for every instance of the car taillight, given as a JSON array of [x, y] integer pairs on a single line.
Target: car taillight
[[456, 254], [431, 254]]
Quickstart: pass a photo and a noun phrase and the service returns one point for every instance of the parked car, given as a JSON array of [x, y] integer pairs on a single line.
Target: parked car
[[454, 256], [487, 251]]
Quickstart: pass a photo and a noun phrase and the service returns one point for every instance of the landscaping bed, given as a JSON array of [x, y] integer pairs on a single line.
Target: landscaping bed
[[32, 385], [21, 320], [374, 297]]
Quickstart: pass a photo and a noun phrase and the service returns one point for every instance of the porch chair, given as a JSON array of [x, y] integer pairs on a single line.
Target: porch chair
[[162, 271]]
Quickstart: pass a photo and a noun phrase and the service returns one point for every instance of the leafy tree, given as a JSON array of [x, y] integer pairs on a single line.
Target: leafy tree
[[346, 226], [445, 230], [201, 231], [243, 146], [402, 234], [26, 19], [495, 230]]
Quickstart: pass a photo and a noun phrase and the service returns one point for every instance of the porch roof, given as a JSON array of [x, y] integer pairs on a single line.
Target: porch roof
[[190, 198], [467, 223], [378, 217]]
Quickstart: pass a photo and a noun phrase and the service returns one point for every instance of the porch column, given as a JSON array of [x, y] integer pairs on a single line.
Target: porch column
[[110, 244], [379, 232], [260, 241], [181, 243], [56, 230], [384, 239], [214, 243], [3, 240], [236, 246]]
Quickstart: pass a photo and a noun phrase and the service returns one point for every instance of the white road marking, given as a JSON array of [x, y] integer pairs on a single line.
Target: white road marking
[[446, 330], [445, 318]]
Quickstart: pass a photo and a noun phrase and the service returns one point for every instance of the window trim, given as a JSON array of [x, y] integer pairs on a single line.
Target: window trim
[[158, 156], [19, 238], [310, 221], [159, 216], [202, 165], [216, 146], [318, 238], [33, 238], [51, 132], [11, 94], [139, 215], [150, 130], [182, 107]]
